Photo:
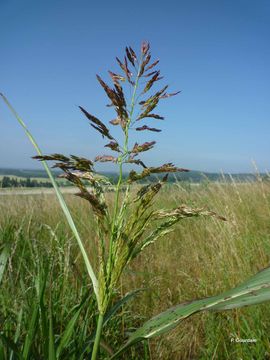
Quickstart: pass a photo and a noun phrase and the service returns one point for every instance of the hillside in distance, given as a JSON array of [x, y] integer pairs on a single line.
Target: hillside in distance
[[191, 176]]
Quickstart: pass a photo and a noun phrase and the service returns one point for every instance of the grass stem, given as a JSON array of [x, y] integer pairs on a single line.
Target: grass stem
[[97, 337]]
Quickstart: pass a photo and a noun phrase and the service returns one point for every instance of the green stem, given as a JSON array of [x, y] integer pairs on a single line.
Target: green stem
[[97, 337], [120, 178], [114, 217]]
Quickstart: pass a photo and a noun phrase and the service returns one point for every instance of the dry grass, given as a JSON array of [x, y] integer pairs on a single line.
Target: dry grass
[[203, 257]]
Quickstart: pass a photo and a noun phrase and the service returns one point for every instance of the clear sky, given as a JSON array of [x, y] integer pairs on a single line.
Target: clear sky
[[216, 52]]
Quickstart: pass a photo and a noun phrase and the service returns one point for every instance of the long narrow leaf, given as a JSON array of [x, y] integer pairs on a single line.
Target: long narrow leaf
[[119, 304], [60, 198], [3, 261], [65, 337], [40, 284], [253, 291], [31, 332], [110, 313], [69, 329], [17, 333], [51, 352], [9, 344]]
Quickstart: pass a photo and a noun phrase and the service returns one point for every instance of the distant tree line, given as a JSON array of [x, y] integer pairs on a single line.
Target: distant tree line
[[191, 177], [7, 182]]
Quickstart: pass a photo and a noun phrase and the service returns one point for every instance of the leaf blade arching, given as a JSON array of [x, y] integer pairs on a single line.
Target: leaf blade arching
[[65, 338], [60, 198], [111, 312], [3, 261], [253, 291], [120, 303]]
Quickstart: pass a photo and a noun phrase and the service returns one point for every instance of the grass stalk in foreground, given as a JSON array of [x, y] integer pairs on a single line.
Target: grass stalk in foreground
[[97, 337], [59, 196], [127, 229]]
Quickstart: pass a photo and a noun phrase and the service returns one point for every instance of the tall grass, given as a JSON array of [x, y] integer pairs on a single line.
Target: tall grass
[[201, 258], [45, 292]]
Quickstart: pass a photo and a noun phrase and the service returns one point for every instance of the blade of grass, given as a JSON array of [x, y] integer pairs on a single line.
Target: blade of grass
[[3, 261], [31, 332], [2, 352], [40, 284], [65, 337], [109, 314], [255, 290], [60, 198], [44, 323], [17, 333], [52, 355], [7, 343]]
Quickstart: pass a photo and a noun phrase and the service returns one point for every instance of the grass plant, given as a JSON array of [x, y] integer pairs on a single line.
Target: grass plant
[[123, 228]]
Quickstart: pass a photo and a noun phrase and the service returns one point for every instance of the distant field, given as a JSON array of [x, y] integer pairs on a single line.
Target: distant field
[[14, 181], [191, 176], [35, 191], [40, 179], [203, 257], [25, 173]]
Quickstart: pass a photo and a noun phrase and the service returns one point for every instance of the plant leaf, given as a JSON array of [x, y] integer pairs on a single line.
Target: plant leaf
[[253, 291], [3, 261], [31, 331], [9, 344], [119, 304], [65, 337], [110, 313], [60, 199], [17, 332], [51, 352]]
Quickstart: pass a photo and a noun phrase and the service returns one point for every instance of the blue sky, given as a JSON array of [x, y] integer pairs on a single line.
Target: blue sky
[[216, 52]]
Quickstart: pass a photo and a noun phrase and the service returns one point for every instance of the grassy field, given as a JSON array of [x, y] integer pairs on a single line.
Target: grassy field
[[23, 178], [201, 258], [41, 180]]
